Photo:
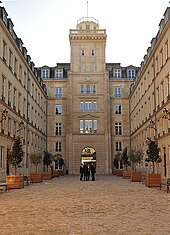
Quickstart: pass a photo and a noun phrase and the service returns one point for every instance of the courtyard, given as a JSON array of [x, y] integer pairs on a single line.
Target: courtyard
[[67, 206]]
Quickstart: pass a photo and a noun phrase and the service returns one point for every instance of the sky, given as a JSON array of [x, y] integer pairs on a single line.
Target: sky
[[43, 26]]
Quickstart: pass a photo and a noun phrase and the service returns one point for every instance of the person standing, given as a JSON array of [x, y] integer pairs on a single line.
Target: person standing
[[85, 171], [81, 171], [93, 171]]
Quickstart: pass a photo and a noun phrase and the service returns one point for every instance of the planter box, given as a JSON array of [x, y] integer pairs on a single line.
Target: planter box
[[135, 176], [35, 177], [119, 173], [56, 173], [14, 182], [61, 173], [153, 180], [126, 174], [46, 176], [113, 171]]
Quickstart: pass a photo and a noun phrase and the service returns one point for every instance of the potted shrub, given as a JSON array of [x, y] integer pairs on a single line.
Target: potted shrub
[[36, 159], [125, 161], [153, 179], [14, 158], [47, 160], [135, 157]]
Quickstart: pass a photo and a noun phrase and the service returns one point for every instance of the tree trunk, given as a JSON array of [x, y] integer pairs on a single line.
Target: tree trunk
[[153, 167]]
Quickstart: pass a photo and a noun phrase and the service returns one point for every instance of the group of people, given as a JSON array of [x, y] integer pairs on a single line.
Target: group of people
[[85, 172]]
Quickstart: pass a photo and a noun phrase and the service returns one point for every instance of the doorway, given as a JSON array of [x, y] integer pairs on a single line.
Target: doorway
[[88, 155]]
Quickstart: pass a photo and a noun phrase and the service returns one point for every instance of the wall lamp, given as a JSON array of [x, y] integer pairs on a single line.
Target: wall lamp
[[4, 115], [21, 125], [166, 114], [152, 123]]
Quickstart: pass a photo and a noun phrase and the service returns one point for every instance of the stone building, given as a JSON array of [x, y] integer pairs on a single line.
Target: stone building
[[22, 98], [86, 110]]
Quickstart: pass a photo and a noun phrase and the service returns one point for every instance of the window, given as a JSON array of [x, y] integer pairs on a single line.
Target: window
[[168, 87], [58, 147], [1, 156], [9, 93], [87, 27], [82, 52], [88, 126], [94, 106], [117, 73], [3, 88], [117, 109], [87, 90], [83, 67], [92, 52], [166, 50], [58, 92], [131, 73], [58, 109], [118, 146], [81, 106], [19, 103], [15, 67], [88, 106], [15, 98], [94, 89], [59, 73], [162, 88], [45, 73], [10, 59], [81, 89], [4, 51], [158, 97], [20, 73], [118, 128], [93, 66], [58, 128], [117, 92]]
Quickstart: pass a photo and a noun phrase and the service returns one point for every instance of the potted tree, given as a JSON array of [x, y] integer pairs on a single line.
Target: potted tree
[[125, 161], [14, 158], [153, 179], [47, 160], [135, 157], [118, 160], [36, 159]]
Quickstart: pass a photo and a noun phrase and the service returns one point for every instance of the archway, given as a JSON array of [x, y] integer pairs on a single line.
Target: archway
[[88, 155]]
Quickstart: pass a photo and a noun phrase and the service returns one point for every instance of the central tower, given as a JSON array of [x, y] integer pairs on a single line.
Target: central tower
[[88, 122]]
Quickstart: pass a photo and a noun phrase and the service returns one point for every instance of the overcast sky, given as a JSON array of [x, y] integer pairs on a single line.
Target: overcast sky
[[43, 26]]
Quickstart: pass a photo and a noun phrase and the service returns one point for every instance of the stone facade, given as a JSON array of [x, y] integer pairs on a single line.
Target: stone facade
[[86, 105]]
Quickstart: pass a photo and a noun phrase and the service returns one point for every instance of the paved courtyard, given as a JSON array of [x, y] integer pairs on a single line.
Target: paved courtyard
[[67, 206]]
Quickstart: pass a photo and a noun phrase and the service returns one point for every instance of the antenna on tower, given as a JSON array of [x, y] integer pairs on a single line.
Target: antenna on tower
[[87, 10]]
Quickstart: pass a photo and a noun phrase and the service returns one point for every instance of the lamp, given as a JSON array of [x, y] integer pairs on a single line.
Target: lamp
[[4, 115], [152, 123], [21, 125], [166, 114]]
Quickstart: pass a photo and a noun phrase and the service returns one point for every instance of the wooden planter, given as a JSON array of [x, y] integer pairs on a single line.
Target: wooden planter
[[113, 171], [126, 174], [153, 180], [56, 173], [61, 172], [46, 176], [14, 181], [35, 177], [119, 172], [135, 176]]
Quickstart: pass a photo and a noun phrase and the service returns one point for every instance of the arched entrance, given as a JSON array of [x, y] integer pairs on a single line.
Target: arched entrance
[[88, 155]]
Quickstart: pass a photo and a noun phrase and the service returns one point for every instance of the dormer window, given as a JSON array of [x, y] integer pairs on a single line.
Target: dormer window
[[117, 73], [59, 73], [45, 73], [87, 27], [131, 73]]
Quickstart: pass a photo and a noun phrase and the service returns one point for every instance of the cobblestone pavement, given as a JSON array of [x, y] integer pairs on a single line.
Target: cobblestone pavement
[[67, 206]]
